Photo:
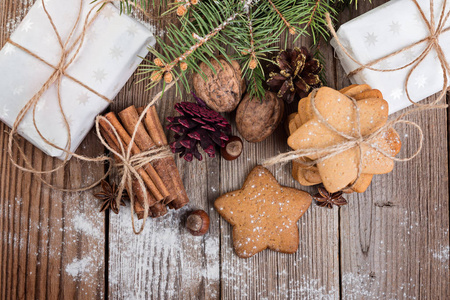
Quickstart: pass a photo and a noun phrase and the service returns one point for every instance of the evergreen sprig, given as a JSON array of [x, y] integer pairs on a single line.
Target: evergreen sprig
[[252, 28]]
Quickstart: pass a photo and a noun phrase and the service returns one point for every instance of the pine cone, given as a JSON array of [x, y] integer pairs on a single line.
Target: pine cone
[[294, 74], [197, 124]]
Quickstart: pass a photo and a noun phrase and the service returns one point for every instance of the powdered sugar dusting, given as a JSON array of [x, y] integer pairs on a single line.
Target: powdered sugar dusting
[[164, 261], [442, 254], [367, 286], [83, 225], [79, 266]]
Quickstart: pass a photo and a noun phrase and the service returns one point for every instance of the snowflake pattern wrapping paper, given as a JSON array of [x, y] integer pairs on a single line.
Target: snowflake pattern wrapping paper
[[109, 55], [385, 30]]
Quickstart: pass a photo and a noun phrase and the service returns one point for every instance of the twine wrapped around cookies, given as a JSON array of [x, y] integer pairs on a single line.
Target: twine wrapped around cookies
[[357, 141], [127, 162], [350, 141]]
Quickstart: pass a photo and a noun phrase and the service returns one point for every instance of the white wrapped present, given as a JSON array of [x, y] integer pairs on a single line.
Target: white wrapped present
[[109, 55], [385, 30]]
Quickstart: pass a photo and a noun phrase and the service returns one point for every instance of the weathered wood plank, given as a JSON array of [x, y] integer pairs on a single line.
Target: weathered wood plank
[[394, 237], [166, 261], [52, 243], [313, 271]]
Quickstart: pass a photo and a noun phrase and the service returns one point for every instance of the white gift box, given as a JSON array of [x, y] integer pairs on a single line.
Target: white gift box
[[384, 30], [108, 57]]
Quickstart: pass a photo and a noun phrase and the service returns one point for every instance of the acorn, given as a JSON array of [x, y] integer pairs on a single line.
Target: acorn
[[233, 148], [197, 222]]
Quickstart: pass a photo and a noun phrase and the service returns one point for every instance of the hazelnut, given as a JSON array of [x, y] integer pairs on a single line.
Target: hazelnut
[[233, 148], [197, 222]]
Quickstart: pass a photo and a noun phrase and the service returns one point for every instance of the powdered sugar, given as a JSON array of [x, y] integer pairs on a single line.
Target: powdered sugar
[[165, 260], [442, 254], [78, 267], [83, 225]]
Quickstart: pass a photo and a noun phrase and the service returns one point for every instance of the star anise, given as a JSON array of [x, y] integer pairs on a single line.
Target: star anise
[[325, 199], [109, 195]]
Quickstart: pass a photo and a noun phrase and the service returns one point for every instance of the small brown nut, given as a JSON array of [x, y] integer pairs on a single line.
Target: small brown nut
[[223, 89], [257, 119], [197, 222], [233, 148]]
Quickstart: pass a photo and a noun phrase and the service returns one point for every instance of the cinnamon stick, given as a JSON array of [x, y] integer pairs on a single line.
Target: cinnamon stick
[[114, 143], [151, 179], [158, 210], [130, 118], [155, 129], [139, 205], [137, 191]]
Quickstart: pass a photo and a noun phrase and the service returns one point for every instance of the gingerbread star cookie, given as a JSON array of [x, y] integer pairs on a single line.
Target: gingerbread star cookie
[[263, 214]]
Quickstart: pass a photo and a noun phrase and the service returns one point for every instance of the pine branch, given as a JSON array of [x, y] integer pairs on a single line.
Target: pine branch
[[291, 29], [251, 27]]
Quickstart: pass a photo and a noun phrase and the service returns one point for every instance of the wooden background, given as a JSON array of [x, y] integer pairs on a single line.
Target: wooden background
[[392, 242]]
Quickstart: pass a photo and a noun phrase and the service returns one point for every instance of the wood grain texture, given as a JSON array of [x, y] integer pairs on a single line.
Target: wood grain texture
[[389, 243], [52, 243], [166, 261], [394, 237]]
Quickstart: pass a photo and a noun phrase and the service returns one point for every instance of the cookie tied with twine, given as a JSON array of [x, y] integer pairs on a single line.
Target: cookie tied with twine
[[357, 141], [69, 52], [345, 139]]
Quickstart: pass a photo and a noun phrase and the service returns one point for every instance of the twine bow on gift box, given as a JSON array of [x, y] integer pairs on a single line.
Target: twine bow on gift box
[[431, 41], [127, 162], [358, 141]]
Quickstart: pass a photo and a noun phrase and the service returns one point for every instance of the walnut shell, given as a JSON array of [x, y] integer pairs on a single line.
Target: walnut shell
[[222, 90], [256, 120]]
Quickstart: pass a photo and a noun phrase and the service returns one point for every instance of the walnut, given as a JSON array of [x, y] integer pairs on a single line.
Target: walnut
[[256, 120], [224, 88]]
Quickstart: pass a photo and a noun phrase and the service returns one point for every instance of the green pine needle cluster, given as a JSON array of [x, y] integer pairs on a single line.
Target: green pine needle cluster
[[251, 29]]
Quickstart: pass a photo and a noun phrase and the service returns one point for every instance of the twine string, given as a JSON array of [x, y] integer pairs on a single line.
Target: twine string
[[127, 162], [350, 142], [359, 141], [432, 43]]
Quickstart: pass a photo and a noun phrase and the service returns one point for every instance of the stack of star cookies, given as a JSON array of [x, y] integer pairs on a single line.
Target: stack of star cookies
[[340, 172]]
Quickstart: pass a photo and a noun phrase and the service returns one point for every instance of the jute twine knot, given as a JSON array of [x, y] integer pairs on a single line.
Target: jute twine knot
[[128, 163], [358, 141], [351, 141], [431, 43]]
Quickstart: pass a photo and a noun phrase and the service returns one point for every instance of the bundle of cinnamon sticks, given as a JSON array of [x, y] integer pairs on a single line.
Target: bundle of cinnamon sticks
[[164, 186]]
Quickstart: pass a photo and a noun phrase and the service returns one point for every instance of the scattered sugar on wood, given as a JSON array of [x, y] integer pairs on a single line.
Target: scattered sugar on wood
[[79, 266], [443, 254], [163, 261]]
